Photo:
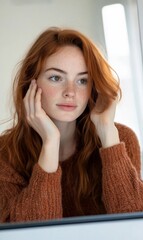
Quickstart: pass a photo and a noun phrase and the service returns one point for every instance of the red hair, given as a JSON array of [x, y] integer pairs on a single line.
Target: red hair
[[22, 144]]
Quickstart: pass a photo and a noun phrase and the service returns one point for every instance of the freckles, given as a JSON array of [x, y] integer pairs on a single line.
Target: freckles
[[49, 92], [47, 89], [84, 94]]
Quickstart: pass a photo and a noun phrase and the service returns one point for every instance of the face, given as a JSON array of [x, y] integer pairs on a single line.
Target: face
[[65, 84]]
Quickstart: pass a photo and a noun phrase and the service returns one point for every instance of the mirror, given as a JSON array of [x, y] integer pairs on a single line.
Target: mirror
[[21, 21]]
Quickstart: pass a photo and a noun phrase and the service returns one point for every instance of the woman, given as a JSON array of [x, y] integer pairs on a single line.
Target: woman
[[64, 155]]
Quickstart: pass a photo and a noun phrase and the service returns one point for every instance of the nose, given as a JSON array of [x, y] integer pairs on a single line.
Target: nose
[[69, 91]]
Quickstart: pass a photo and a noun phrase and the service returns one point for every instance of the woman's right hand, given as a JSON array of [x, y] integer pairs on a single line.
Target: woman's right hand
[[36, 116], [44, 126]]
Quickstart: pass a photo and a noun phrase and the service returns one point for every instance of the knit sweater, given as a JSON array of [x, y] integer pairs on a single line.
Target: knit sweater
[[47, 195]]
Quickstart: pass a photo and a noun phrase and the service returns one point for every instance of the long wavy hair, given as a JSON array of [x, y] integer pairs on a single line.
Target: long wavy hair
[[22, 145]]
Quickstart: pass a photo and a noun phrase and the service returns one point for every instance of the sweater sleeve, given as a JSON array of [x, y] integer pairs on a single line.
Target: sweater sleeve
[[40, 199], [122, 187]]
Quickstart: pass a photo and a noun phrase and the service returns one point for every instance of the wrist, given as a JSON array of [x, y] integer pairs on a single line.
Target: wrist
[[109, 136], [51, 140], [49, 156]]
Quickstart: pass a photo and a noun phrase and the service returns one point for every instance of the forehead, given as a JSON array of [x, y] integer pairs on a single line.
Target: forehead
[[67, 56]]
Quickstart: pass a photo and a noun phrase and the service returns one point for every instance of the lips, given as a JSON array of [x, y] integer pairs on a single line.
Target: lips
[[67, 106]]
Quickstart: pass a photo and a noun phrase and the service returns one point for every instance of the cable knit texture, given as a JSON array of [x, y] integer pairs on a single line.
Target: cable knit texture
[[48, 196]]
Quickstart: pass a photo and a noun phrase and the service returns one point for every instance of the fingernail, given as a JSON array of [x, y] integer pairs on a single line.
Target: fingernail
[[33, 81], [39, 89]]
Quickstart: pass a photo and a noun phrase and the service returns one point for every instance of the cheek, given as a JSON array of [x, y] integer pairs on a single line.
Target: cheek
[[49, 92], [84, 96], [47, 89], [48, 95]]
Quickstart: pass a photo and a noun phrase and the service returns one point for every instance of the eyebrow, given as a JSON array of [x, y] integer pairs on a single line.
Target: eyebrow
[[64, 72]]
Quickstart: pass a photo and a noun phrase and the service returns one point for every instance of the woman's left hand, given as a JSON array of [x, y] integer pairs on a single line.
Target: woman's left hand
[[104, 123]]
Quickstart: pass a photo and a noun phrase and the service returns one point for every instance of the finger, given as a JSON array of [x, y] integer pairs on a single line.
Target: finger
[[31, 98], [38, 101], [26, 101]]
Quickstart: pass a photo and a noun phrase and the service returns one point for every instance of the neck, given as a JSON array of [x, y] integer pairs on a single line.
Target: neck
[[67, 139]]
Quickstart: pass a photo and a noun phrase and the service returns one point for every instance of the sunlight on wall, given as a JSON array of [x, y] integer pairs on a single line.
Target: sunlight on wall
[[118, 52], [116, 38]]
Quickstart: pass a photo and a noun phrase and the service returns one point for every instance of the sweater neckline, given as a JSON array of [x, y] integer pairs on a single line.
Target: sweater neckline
[[69, 159]]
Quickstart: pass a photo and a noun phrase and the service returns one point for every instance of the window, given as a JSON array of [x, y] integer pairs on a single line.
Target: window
[[120, 56]]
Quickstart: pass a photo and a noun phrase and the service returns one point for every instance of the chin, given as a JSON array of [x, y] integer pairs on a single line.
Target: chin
[[64, 118]]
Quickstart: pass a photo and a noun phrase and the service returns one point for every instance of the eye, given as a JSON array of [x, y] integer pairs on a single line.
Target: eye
[[83, 81], [55, 78]]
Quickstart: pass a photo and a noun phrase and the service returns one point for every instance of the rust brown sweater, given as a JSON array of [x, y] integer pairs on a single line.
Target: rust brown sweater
[[47, 196]]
